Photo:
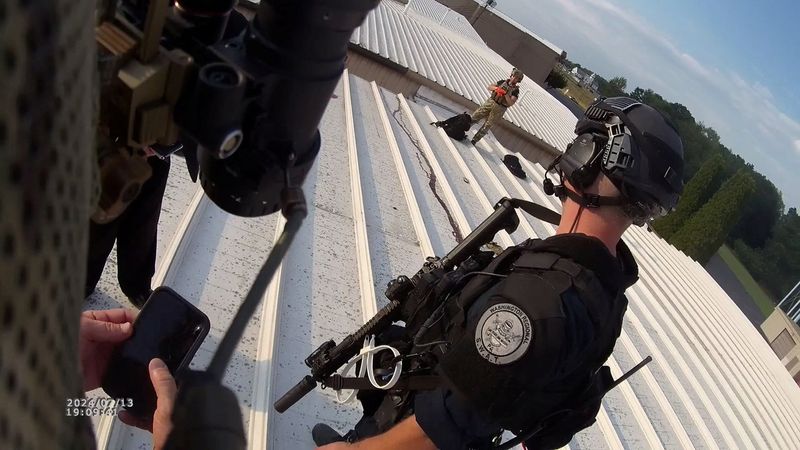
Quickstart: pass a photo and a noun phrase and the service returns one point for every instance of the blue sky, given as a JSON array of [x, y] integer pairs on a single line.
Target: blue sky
[[733, 63]]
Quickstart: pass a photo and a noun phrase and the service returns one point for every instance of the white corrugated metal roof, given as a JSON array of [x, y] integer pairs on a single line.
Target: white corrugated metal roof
[[462, 65], [388, 189], [441, 15]]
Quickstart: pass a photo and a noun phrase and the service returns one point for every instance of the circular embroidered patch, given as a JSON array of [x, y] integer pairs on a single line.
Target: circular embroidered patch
[[504, 334]]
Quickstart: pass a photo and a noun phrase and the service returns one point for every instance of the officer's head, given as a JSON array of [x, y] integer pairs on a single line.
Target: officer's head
[[517, 75], [632, 146]]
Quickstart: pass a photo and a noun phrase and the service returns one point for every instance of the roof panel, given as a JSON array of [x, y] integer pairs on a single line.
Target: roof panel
[[428, 47], [714, 382]]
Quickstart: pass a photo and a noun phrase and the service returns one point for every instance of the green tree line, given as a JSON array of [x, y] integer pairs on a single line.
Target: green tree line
[[725, 201]]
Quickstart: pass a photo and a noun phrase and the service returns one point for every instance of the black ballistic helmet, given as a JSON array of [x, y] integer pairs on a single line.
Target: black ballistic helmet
[[643, 155]]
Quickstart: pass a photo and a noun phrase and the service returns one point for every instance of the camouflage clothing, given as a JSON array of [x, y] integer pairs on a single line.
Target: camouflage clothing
[[492, 112], [493, 109]]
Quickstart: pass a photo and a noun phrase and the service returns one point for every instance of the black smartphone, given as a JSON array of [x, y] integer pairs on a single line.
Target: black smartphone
[[167, 327], [163, 151]]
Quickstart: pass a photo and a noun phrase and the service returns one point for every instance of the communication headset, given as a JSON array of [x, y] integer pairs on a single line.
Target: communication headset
[[600, 146]]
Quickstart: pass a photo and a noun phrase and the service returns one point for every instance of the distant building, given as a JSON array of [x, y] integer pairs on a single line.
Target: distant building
[[585, 78], [782, 331]]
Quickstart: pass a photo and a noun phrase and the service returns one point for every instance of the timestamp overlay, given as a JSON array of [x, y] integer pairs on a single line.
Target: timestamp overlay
[[95, 406]]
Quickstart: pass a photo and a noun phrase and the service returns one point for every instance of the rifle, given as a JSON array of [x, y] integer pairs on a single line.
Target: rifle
[[326, 360]]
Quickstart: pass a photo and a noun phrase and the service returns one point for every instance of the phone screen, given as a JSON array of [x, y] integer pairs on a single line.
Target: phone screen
[[168, 327]]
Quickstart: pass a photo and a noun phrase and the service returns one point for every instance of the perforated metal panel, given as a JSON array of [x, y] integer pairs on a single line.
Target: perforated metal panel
[[46, 147]]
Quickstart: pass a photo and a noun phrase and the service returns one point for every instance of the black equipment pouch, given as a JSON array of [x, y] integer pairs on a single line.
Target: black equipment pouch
[[456, 127]]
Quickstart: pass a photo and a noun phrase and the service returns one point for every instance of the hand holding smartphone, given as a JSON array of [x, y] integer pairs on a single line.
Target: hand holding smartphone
[[168, 327]]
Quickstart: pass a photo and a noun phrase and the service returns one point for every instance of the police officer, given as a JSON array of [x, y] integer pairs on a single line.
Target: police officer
[[135, 232], [504, 94], [521, 350]]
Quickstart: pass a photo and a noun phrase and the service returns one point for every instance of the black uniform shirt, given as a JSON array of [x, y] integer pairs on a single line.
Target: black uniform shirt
[[453, 424]]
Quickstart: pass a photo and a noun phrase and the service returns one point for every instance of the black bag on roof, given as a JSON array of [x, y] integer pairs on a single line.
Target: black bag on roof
[[513, 165], [456, 127]]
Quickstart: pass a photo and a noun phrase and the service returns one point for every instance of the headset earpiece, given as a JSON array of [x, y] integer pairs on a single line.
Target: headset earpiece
[[547, 186]]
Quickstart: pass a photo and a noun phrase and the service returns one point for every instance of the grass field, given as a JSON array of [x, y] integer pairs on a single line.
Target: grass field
[[581, 95], [763, 301]]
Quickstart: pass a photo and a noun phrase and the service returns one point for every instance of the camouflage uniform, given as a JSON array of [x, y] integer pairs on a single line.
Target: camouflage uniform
[[492, 112], [492, 109]]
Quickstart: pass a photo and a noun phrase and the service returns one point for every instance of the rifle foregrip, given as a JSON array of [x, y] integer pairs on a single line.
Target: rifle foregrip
[[306, 385], [349, 347], [377, 322]]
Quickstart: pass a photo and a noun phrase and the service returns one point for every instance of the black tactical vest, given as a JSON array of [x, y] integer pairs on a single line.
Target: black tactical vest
[[498, 329], [500, 99]]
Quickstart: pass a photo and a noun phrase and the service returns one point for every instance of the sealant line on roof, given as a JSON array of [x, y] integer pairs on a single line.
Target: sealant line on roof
[[427, 169], [405, 182], [436, 175], [505, 239], [488, 204]]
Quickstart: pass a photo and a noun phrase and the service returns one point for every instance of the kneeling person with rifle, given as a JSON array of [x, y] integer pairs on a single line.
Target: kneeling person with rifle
[[516, 341]]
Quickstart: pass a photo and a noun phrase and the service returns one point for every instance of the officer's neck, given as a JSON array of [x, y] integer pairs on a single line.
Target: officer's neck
[[601, 223]]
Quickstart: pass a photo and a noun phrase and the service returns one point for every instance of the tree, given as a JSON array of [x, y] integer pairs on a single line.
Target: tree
[[776, 267], [645, 96], [696, 193], [760, 214], [609, 89], [618, 83], [705, 232], [556, 79]]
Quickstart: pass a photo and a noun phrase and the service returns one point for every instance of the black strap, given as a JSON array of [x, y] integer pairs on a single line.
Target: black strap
[[415, 383], [538, 211], [592, 200]]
